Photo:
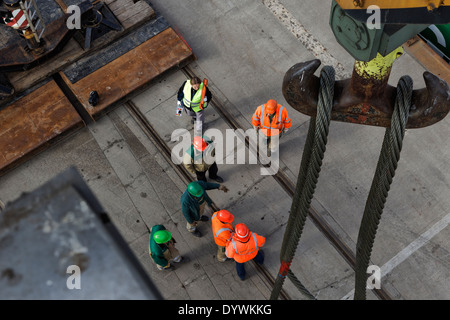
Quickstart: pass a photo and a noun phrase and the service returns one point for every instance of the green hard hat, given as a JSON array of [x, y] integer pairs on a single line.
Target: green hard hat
[[195, 189], [162, 236]]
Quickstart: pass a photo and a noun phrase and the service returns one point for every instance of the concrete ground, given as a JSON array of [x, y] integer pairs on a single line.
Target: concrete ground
[[244, 49]]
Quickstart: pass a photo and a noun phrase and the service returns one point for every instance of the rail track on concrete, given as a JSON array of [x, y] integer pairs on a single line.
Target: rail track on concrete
[[280, 177], [289, 186], [164, 149]]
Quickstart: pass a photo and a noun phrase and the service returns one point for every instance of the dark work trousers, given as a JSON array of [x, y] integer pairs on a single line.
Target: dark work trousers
[[240, 267], [212, 173]]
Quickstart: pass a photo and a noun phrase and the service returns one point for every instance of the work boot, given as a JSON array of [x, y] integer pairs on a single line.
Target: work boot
[[196, 233], [226, 259], [204, 218], [170, 268], [217, 179]]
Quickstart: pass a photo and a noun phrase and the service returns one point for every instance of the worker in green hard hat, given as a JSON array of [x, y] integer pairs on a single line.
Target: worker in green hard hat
[[162, 248], [193, 202]]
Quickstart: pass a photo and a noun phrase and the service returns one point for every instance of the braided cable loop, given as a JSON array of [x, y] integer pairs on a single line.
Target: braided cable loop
[[308, 176], [307, 150], [299, 285], [383, 177]]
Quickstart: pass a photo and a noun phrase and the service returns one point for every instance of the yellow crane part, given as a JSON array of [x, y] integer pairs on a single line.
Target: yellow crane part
[[389, 4], [378, 68]]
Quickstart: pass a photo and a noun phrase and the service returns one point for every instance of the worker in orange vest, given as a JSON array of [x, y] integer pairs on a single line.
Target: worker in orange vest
[[273, 119], [244, 246], [222, 231]]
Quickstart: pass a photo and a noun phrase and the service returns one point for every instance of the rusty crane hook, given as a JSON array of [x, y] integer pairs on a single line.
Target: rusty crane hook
[[365, 100]]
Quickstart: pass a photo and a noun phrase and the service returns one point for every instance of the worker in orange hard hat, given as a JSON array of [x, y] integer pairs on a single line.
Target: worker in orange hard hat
[[244, 246], [200, 158], [273, 119], [222, 231]]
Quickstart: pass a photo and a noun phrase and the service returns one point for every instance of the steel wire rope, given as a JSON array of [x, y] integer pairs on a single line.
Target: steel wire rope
[[383, 177], [313, 154]]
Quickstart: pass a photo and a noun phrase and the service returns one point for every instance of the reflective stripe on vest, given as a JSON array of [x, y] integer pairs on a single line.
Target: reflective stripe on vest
[[279, 115], [262, 118], [192, 102], [221, 230], [248, 253]]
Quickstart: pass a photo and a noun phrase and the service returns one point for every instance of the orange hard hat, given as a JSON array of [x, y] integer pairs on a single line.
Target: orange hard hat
[[199, 143], [225, 216], [271, 106], [242, 232]]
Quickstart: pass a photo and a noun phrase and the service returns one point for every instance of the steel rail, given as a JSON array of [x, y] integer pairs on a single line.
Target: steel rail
[[289, 186]]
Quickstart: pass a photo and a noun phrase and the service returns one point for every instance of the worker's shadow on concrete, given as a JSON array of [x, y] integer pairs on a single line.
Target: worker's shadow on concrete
[[201, 250]]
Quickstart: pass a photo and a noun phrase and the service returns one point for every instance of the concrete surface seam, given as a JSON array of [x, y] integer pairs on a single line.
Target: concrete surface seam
[[145, 234], [327, 217], [333, 284], [126, 189], [119, 124], [249, 189], [306, 38], [171, 98]]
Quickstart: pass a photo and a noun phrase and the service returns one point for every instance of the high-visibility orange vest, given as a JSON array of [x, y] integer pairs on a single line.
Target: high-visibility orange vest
[[244, 251], [222, 231], [280, 121]]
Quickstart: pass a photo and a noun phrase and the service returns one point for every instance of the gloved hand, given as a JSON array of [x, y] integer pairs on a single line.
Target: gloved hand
[[179, 109], [223, 188], [205, 99], [285, 130]]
